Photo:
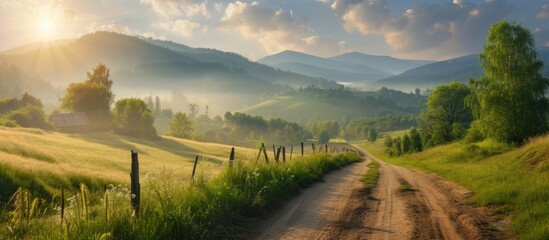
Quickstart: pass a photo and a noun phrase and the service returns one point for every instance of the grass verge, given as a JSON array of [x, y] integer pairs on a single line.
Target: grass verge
[[207, 208], [371, 176]]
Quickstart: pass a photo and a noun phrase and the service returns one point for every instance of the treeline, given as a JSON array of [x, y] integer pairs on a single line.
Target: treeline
[[255, 128], [368, 128], [507, 105]]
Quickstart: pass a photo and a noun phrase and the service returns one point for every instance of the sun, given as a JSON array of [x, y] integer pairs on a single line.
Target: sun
[[46, 28]]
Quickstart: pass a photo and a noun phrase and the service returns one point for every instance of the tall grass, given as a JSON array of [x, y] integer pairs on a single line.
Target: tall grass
[[510, 181], [173, 208]]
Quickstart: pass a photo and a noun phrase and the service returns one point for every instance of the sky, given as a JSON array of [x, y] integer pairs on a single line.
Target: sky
[[411, 29]]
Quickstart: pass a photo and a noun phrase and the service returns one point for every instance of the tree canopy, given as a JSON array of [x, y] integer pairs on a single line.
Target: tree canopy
[[446, 113], [180, 126], [509, 102], [133, 118], [93, 96]]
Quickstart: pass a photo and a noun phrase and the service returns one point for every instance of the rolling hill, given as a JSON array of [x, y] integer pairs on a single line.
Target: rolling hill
[[310, 103], [459, 69], [146, 65], [385, 63], [322, 67]]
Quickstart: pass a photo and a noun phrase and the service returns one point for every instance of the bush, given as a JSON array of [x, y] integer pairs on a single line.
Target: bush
[[474, 133], [30, 116], [133, 118]]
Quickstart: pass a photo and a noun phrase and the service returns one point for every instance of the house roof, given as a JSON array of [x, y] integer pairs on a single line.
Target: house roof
[[77, 119]]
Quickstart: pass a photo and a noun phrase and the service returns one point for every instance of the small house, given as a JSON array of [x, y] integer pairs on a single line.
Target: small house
[[71, 122]]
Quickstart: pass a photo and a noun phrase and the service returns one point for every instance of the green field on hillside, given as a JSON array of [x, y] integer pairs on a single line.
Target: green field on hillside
[[511, 181], [44, 161], [303, 106]]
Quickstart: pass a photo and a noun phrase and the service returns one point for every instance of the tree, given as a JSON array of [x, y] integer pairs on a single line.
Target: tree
[[509, 102], [93, 99], [323, 137], [415, 140], [406, 144], [30, 116], [133, 118], [157, 108], [100, 74], [193, 109], [180, 126], [372, 134], [446, 108], [93, 96]]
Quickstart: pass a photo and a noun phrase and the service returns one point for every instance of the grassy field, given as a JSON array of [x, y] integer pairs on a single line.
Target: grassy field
[[44, 161], [36, 164], [511, 181], [304, 106]]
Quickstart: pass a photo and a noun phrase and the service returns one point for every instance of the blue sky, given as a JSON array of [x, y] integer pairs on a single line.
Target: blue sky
[[419, 29]]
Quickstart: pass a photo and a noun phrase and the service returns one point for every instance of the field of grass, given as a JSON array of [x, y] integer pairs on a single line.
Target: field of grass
[[44, 161], [511, 181], [36, 164], [302, 107]]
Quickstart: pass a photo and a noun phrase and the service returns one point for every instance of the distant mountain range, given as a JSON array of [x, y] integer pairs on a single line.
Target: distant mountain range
[[459, 69], [374, 72], [348, 67], [387, 64], [144, 65]]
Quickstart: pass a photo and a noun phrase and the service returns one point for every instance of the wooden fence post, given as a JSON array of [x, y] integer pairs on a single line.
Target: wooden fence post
[[313, 146], [274, 153], [260, 151], [284, 154], [194, 167], [302, 149], [62, 205], [265, 153], [135, 186], [326, 147], [278, 150], [291, 151], [231, 157]]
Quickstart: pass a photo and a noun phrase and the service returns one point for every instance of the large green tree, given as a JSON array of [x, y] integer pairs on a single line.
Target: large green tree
[[446, 110], [93, 96], [180, 126], [132, 117], [509, 102]]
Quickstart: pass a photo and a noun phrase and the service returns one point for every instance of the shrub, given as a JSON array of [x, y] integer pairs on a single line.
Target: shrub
[[133, 118], [30, 116]]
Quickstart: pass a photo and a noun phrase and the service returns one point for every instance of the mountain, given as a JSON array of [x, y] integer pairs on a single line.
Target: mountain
[[459, 69], [313, 103], [141, 66], [322, 67], [385, 63]]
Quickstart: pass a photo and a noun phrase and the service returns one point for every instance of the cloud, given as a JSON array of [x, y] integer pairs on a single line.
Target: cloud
[[541, 35], [544, 13], [427, 30], [182, 26], [277, 30], [178, 8]]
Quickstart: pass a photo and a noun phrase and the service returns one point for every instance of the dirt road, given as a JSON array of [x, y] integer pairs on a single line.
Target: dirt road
[[405, 204]]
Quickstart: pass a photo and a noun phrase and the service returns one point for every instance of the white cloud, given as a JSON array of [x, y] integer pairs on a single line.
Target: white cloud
[[427, 30], [544, 13], [541, 35], [178, 8], [183, 27], [277, 30]]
